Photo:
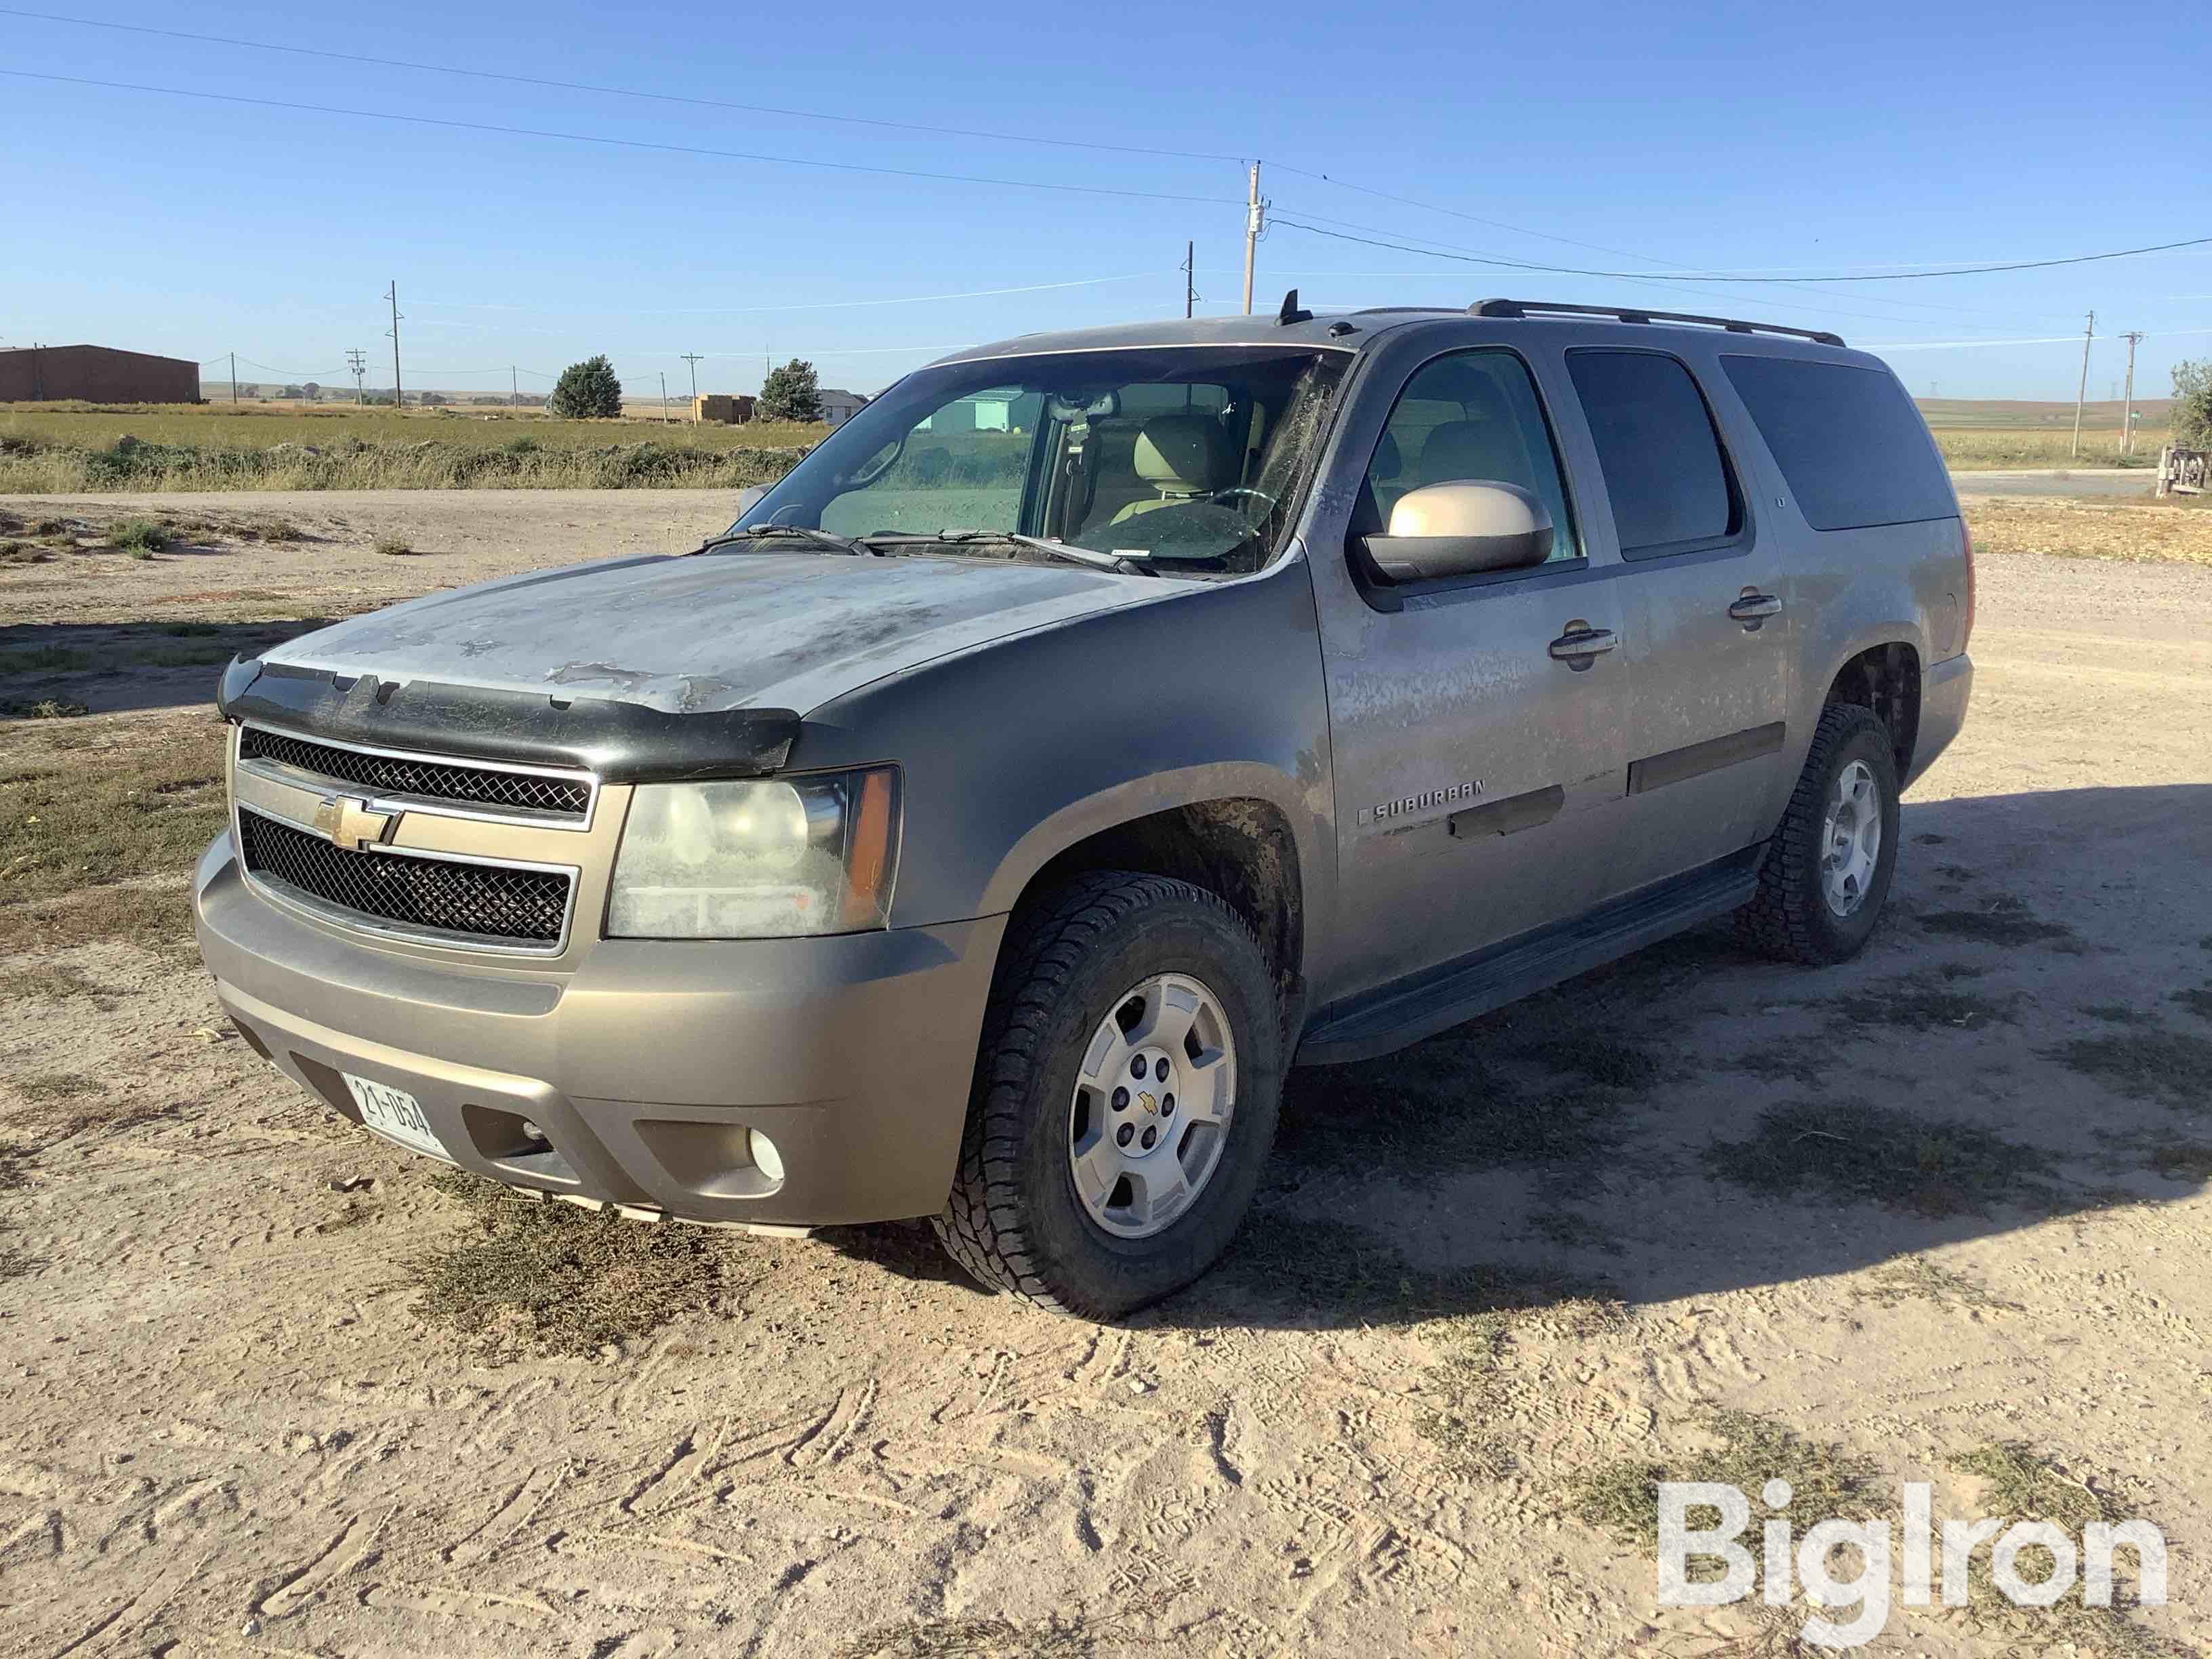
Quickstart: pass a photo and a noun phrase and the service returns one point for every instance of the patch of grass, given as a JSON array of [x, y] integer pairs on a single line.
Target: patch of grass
[[1911, 1007], [55, 1086], [1076, 1635], [143, 536], [2133, 534], [532, 1276], [145, 808], [15, 552], [49, 981], [2118, 1013], [45, 708], [1571, 1231], [1440, 1106], [2174, 1067], [1610, 1062], [1742, 1450], [2008, 921], [1340, 1272], [1856, 1153], [1917, 1279], [157, 919], [1464, 1430], [2196, 998], [43, 660], [2188, 1160], [12, 1155], [394, 547]]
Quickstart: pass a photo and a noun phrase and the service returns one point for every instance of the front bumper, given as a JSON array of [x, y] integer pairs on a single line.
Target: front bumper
[[643, 1069]]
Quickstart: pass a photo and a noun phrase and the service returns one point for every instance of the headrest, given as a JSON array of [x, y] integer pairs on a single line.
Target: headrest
[[1474, 449], [1183, 452]]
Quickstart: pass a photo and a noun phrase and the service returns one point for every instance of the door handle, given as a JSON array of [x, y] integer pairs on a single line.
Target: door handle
[[1752, 607], [1580, 643]]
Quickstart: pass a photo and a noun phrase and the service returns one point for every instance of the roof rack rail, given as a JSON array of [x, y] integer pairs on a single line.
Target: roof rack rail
[[1638, 315]]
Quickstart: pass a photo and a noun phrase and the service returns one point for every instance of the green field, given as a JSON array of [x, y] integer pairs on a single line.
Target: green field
[[76, 448]]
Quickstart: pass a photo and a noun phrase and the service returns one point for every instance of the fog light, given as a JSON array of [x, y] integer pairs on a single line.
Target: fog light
[[766, 1158]]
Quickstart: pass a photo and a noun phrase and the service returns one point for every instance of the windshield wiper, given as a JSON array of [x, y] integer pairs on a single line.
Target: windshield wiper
[[1083, 556], [759, 532]]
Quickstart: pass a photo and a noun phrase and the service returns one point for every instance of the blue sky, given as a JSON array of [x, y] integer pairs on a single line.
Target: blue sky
[[1756, 138]]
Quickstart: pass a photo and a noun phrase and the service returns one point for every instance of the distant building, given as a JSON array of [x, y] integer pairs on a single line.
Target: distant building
[[97, 375], [839, 407], [723, 410]]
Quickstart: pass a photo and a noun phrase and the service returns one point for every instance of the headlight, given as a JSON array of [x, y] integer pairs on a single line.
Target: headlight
[[760, 858]]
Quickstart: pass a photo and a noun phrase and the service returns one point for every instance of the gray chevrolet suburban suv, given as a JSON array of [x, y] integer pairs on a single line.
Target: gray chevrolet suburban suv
[[1092, 727]]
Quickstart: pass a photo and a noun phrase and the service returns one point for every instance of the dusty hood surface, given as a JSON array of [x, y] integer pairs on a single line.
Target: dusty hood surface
[[712, 631]]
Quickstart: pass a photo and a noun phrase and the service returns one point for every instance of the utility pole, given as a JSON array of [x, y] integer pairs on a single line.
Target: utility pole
[[234, 377], [2082, 396], [2133, 338], [1254, 220], [398, 400], [692, 358], [357, 360], [513, 389], [1190, 279], [664, 397]]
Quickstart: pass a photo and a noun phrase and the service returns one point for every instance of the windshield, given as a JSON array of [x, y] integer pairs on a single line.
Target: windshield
[[1191, 456]]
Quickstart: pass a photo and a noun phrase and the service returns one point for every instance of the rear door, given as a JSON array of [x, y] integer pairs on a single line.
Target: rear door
[[1708, 632], [1476, 721]]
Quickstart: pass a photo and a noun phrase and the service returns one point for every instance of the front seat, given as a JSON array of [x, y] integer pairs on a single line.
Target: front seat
[[1487, 446], [1185, 457]]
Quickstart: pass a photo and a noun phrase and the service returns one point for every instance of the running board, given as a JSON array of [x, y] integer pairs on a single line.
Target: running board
[[1411, 1009]]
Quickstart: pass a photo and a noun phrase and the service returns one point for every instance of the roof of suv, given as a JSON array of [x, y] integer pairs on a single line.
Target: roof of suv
[[1355, 331]]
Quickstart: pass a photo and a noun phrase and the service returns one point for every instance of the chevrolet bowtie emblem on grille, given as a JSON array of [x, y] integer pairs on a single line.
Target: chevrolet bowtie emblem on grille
[[349, 823]]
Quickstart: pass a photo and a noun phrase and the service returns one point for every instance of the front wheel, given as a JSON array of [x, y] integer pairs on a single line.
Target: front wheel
[[1827, 871], [1125, 1097]]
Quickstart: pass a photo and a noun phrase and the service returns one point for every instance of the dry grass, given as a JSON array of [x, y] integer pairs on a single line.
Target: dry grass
[[1916, 1278], [1852, 1153], [537, 1278], [1970, 449], [75, 449], [2174, 1067], [94, 842], [2169, 534]]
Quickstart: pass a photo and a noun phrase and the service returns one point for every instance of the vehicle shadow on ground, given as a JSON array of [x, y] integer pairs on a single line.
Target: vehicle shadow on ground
[[1695, 1119], [117, 668]]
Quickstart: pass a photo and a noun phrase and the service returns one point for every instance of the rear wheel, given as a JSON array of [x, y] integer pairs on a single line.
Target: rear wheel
[[1125, 1097], [1826, 872]]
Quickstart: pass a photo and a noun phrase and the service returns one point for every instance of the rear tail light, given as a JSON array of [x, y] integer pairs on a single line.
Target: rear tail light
[[1966, 543]]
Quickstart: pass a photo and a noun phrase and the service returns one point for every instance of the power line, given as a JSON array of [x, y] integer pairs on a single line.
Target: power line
[[620, 143], [620, 92], [1720, 277], [811, 304]]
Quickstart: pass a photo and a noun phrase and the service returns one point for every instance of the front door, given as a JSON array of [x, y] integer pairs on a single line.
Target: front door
[[1476, 721], [1708, 657]]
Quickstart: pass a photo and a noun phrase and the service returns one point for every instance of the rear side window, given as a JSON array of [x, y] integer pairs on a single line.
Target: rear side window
[[1663, 467], [1849, 441]]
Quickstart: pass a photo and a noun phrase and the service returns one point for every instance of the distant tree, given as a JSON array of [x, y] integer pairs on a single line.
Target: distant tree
[[314, 391], [586, 391], [434, 399], [2192, 403], [294, 392], [790, 393]]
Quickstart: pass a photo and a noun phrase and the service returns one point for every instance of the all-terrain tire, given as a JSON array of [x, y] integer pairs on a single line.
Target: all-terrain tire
[[1791, 918], [1014, 1219]]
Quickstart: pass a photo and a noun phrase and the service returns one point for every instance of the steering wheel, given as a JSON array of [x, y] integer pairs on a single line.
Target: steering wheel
[[1225, 496]]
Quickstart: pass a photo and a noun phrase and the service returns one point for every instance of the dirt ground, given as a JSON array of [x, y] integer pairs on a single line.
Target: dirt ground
[[1938, 1215]]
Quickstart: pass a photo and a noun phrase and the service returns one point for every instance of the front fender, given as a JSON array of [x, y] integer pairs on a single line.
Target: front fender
[[1015, 751]]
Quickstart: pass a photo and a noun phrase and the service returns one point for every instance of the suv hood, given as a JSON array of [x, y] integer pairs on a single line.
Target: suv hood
[[715, 631]]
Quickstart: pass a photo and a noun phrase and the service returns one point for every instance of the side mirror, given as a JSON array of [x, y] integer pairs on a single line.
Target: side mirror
[[1462, 528]]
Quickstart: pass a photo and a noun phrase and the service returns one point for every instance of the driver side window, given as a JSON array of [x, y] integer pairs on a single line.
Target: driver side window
[[1470, 415]]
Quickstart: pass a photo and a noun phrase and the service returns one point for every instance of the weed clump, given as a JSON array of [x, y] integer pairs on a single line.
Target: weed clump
[[551, 1279], [142, 537], [1855, 1153]]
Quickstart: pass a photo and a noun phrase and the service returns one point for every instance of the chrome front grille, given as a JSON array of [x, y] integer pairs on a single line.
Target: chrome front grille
[[445, 898], [531, 795]]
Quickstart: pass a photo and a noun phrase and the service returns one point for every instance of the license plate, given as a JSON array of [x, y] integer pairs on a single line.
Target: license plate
[[396, 1115]]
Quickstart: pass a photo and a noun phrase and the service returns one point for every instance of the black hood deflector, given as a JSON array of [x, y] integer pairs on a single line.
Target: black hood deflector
[[622, 742]]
